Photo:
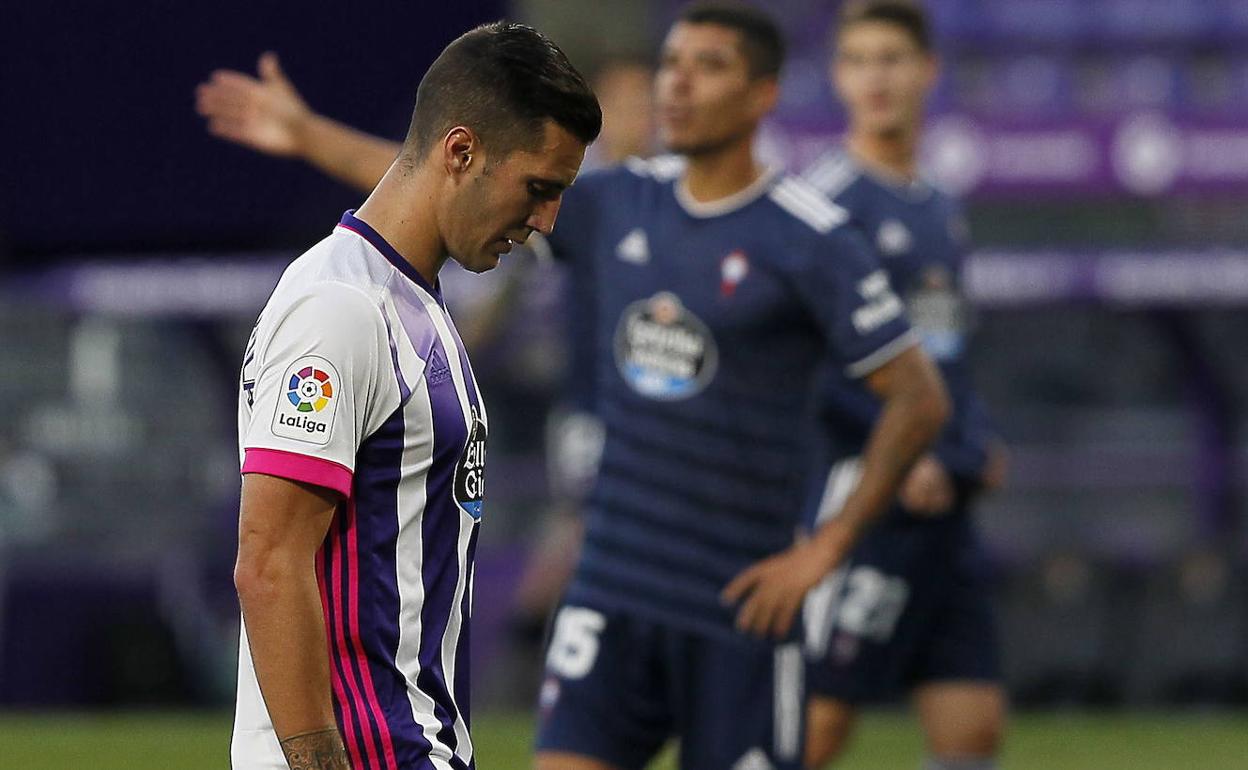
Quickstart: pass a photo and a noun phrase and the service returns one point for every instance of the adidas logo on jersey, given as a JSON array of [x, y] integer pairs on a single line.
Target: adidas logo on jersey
[[438, 371], [634, 247]]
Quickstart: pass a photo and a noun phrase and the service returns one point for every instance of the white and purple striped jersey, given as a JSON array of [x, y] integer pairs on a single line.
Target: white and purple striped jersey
[[355, 379]]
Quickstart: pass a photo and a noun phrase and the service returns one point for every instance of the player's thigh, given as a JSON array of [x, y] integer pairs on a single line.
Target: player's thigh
[[829, 724], [961, 718], [604, 699], [739, 705]]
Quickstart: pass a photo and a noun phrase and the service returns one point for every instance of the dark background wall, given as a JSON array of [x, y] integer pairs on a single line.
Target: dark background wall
[[103, 150]]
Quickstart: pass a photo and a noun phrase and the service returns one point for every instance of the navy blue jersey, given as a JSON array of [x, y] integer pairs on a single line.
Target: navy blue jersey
[[709, 321], [921, 238]]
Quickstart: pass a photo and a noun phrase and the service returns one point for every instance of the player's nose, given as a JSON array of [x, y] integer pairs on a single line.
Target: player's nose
[[543, 217]]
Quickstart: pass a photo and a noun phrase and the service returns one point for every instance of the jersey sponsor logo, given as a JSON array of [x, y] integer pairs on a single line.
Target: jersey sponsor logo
[[470, 473], [893, 238], [733, 269], [634, 247], [938, 313], [662, 350], [881, 304], [306, 409]]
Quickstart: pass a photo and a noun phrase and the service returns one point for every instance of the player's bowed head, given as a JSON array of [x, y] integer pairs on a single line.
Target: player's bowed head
[[500, 127]]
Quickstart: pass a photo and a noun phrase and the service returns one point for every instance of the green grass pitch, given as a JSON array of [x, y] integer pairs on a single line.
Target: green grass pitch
[[886, 741]]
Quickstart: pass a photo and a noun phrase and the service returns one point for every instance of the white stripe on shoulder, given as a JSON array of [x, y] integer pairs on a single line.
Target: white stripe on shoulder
[[828, 165], [664, 168], [831, 175], [834, 185], [807, 204]]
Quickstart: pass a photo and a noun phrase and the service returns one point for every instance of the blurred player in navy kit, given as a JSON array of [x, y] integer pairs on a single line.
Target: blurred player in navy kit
[[718, 284], [910, 608], [717, 287]]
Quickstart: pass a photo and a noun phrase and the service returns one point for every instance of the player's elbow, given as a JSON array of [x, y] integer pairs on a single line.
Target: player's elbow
[[260, 574], [931, 406]]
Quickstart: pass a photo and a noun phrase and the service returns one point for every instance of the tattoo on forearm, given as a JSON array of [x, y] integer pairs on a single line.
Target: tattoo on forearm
[[319, 750]]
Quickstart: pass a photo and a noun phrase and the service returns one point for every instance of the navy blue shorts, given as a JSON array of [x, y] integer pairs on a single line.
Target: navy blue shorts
[[911, 605], [618, 686]]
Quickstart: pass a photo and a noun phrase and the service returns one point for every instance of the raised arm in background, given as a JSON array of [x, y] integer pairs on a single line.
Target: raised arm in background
[[267, 114]]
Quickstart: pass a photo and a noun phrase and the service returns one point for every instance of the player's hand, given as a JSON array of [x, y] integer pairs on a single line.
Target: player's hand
[[265, 114], [771, 591], [928, 489]]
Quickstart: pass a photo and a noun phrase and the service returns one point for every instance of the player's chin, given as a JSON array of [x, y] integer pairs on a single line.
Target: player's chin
[[680, 142], [684, 145], [487, 260], [885, 122]]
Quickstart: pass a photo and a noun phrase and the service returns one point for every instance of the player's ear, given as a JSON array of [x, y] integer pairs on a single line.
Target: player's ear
[[459, 150]]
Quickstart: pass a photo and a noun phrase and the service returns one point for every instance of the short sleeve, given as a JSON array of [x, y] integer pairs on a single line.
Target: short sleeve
[[849, 295], [317, 386]]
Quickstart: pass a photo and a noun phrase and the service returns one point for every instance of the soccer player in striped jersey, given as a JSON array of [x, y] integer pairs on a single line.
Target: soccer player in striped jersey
[[910, 609], [362, 433], [717, 287]]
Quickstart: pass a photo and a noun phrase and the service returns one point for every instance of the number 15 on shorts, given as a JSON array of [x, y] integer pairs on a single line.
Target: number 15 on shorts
[[574, 642]]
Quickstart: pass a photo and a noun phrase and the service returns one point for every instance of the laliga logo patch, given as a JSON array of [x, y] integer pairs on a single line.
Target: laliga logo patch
[[662, 350], [310, 390], [305, 411], [470, 473], [732, 271]]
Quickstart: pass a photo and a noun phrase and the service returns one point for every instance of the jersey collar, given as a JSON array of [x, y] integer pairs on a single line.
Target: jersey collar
[[361, 228], [914, 190], [734, 202]]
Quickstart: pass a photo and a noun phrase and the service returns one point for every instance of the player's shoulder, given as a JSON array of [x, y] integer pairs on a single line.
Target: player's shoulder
[[804, 207], [834, 174], [941, 197], [332, 285], [661, 169], [623, 180]]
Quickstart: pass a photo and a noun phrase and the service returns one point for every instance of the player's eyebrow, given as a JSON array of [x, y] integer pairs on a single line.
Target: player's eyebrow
[[712, 56]]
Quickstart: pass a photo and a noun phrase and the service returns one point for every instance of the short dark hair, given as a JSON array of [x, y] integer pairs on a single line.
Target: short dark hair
[[762, 42], [907, 15], [502, 80]]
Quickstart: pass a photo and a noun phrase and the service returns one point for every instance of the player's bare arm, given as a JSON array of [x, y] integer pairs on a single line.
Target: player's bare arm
[[267, 114], [915, 406], [319, 750], [281, 527], [928, 489]]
